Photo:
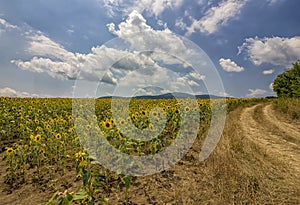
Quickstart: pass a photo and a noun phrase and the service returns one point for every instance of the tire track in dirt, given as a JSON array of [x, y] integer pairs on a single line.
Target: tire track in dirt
[[274, 143]]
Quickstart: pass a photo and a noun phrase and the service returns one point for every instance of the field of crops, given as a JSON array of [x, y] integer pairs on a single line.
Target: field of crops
[[40, 142]]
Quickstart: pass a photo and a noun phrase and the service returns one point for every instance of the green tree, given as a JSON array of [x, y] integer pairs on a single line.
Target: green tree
[[287, 84]]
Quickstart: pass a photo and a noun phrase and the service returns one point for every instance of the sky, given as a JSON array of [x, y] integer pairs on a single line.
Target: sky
[[92, 48]]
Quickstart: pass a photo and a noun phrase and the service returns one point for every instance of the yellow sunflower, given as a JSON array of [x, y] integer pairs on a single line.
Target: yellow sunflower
[[187, 109], [38, 138], [9, 150], [107, 124], [58, 136]]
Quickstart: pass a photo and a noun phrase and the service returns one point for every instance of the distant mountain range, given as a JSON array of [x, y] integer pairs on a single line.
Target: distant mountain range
[[169, 96]]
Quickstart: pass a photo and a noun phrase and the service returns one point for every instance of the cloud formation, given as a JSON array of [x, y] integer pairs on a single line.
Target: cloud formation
[[256, 92], [217, 16], [5, 26], [152, 7], [113, 65], [273, 2], [268, 72], [230, 66], [9, 92], [52, 58], [275, 50], [141, 36], [271, 86]]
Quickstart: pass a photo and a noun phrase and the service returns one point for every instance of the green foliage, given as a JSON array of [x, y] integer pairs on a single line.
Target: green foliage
[[287, 84]]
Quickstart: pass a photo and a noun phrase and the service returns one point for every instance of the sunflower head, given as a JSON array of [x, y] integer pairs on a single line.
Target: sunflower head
[[187, 109], [9, 150], [122, 121], [133, 116], [107, 124], [38, 138], [155, 114], [112, 121], [58, 136]]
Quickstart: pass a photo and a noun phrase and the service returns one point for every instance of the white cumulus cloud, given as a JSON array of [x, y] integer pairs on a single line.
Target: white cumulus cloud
[[271, 86], [180, 24], [230, 66], [149, 59], [52, 58], [217, 16], [268, 72], [152, 7], [275, 50], [7, 25], [256, 92], [141, 36], [9, 92]]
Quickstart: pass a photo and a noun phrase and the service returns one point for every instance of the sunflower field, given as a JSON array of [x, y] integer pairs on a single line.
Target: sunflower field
[[40, 141]]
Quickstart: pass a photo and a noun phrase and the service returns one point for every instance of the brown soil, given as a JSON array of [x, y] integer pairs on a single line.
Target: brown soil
[[33, 193], [255, 162]]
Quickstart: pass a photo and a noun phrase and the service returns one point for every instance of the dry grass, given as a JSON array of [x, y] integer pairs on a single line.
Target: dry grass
[[250, 174], [290, 107]]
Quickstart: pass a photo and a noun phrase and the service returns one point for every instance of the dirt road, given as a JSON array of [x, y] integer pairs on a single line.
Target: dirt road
[[279, 138]]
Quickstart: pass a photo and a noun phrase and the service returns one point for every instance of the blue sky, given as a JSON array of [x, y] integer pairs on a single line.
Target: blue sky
[[61, 47]]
